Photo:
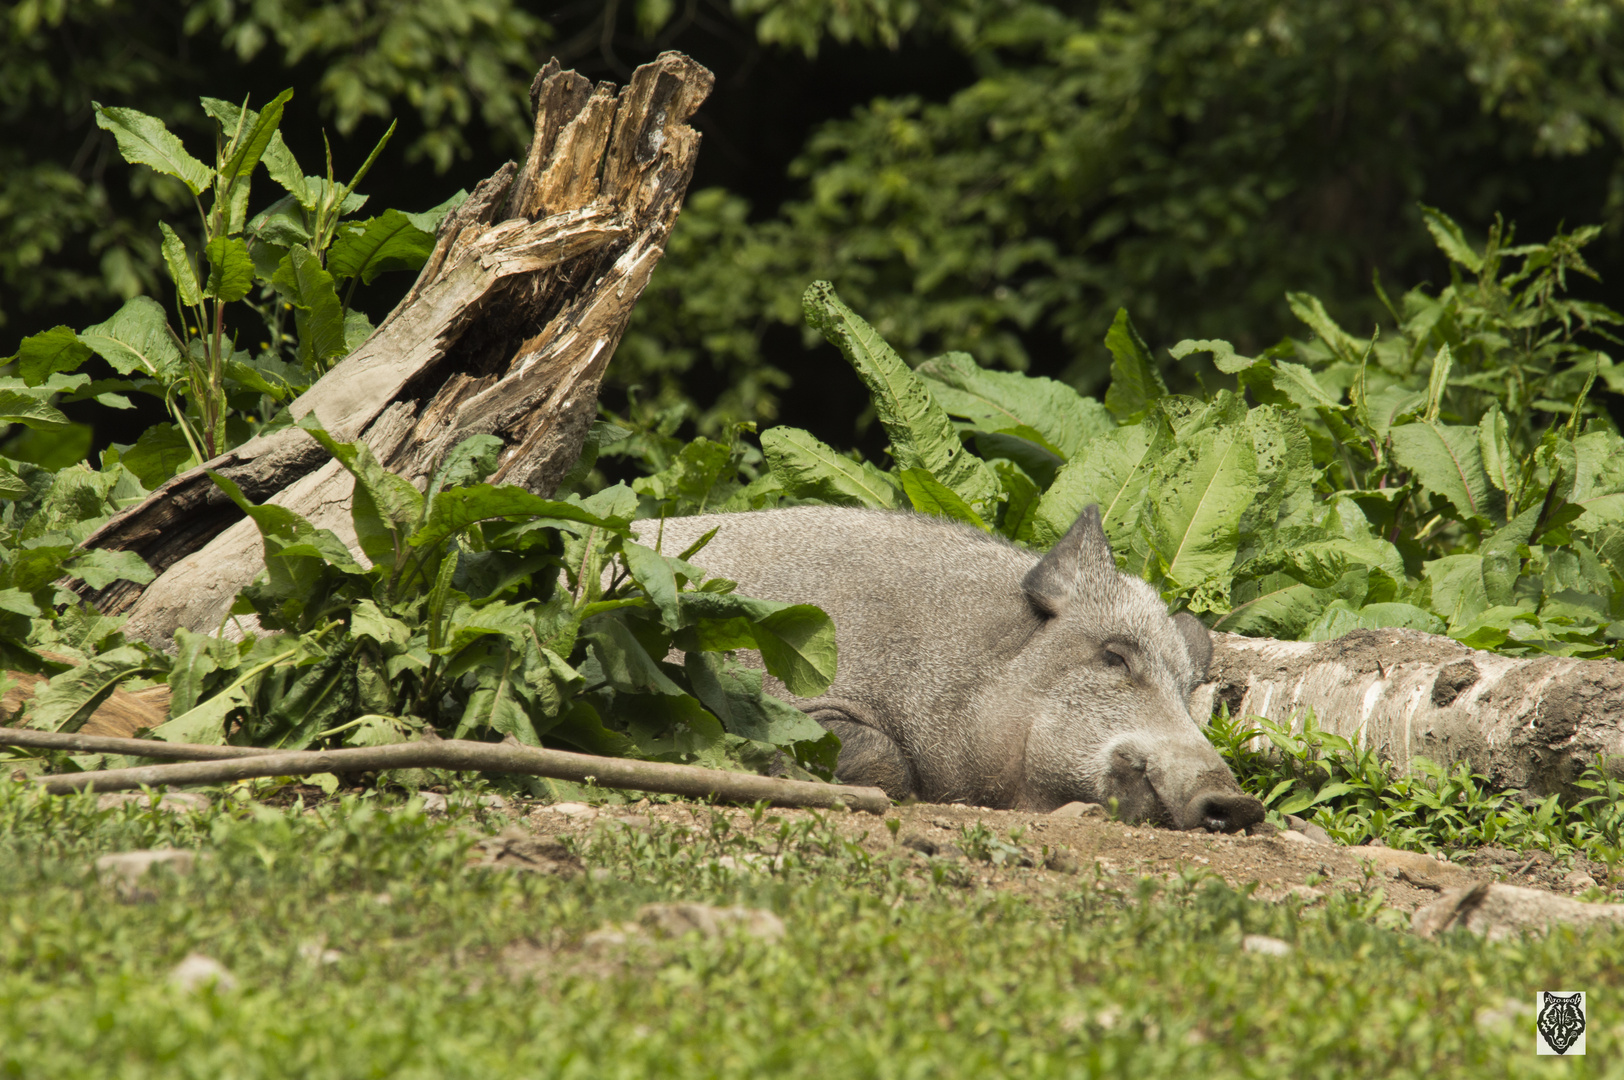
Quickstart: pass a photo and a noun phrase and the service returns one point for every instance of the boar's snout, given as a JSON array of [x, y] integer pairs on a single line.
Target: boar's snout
[[1222, 811]]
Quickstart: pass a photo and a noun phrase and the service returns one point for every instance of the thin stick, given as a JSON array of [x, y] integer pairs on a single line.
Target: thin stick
[[107, 744], [464, 756]]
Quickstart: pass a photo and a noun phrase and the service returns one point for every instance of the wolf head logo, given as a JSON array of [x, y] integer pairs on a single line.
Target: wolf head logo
[[1562, 1020]]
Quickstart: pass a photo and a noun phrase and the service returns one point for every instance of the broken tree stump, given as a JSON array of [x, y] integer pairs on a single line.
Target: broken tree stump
[[507, 332]]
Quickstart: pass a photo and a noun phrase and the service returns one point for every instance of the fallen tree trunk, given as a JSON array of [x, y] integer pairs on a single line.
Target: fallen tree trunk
[[452, 754], [507, 331], [1533, 723]]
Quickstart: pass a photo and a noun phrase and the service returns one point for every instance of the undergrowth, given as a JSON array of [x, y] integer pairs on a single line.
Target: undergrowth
[[1357, 796]]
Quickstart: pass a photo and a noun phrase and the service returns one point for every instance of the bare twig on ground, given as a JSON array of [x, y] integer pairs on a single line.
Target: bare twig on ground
[[456, 755]]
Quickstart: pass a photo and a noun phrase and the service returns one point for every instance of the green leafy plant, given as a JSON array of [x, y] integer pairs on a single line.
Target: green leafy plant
[[226, 362], [492, 612]]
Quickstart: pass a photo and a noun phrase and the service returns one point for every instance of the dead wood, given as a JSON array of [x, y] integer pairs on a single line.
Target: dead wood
[[1532, 723], [456, 755], [507, 331]]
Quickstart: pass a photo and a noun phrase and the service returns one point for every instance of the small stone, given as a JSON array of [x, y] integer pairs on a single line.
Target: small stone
[[493, 802], [515, 849], [1264, 945], [317, 952], [126, 868], [1078, 810], [921, 844], [575, 811], [197, 971], [434, 802], [1306, 893], [179, 802], [675, 920], [633, 821], [1578, 881], [1309, 829], [1294, 837], [383, 899]]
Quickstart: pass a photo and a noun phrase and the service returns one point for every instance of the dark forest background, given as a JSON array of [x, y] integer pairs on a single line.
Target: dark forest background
[[996, 176]]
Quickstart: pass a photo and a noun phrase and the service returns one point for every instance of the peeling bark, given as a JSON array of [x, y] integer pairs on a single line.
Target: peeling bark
[[1531, 723], [507, 331]]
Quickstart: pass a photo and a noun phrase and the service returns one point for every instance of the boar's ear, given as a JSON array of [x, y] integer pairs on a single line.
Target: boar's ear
[[1081, 554], [1198, 640]]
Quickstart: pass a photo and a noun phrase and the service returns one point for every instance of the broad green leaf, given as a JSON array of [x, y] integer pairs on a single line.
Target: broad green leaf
[[1340, 618], [302, 281], [1438, 382], [1502, 553], [808, 468], [1598, 466], [1298, 383], [44, 354], [796, 641], [387, 242], [1447, 461], [1112, 472], [653, 572], [137, 339], [929, 497], [1283, 607], [1451, 240], [1021, 497], [1311, 312], [282, 167], [29, 410], [1224, 356], [386, 508], [734, 694], [625, 663], [68, 699], [1008, 400], [180, 267], [160, 453], [922, 437], [1195, 502], [1494, 445], [18, 602], [457, 509], [231, 271], [1136, 385], [205, 722], [1457, 589], [1025, 448], [144, 140], [257, 130], [99, 568], [469, 462], [1321, 563]]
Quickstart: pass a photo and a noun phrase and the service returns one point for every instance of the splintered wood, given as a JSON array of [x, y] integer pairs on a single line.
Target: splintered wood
[[507, 331]]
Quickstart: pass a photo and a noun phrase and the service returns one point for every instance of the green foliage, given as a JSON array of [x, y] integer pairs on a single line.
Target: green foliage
[[1355, 796], [491, 612], [1450, 474], [217, 393]]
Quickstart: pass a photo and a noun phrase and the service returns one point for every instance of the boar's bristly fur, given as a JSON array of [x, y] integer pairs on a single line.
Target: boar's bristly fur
[[973, 671]]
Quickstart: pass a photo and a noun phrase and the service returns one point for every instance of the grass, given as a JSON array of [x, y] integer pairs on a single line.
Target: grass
[[1356, 796], [887, 969]]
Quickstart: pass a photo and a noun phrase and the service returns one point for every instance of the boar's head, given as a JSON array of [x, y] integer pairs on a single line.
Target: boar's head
[[1103, 685]]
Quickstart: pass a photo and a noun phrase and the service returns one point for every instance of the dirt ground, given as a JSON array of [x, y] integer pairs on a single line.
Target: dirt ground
[[1049, 853]]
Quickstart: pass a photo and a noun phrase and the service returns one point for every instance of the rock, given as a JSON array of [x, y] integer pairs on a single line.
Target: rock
[[433, 802], [633, 821], [515, 849], [921, 844], [125, 869], [1264, 945], [1308, 829], [317, 952], [1421, 870], [197, 971], [575, 811], [1293, 837], [1308, 894], [675, 920], [1078, 810], [1578, 881], [178, 802], [1496, 911]]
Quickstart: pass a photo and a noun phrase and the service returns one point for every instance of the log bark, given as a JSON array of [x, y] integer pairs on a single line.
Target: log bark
[[1530, 723], [459, 756], [507, 331]]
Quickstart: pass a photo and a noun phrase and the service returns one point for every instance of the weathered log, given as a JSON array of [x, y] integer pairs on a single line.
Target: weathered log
[[462, 756], [507, 331], [1530, 723]]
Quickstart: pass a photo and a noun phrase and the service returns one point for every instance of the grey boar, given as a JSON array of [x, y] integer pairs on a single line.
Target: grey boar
[[973, 671]]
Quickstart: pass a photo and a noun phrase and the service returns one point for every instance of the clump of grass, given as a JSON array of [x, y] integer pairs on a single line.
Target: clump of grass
[[1356, 796]]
